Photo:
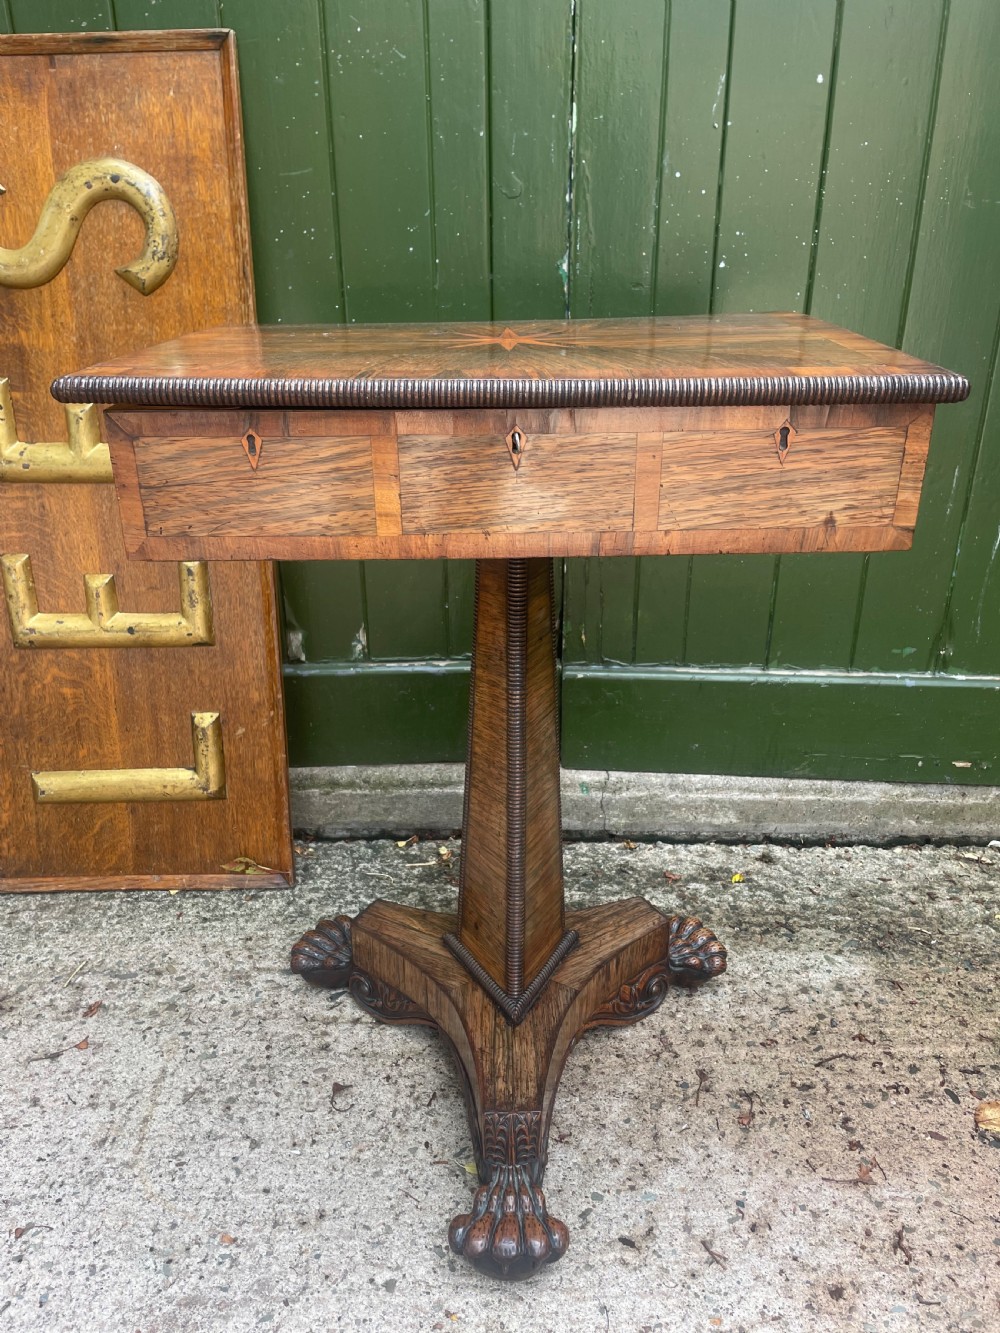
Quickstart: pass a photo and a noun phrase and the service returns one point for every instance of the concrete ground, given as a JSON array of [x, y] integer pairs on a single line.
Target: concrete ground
[[192, 1139]]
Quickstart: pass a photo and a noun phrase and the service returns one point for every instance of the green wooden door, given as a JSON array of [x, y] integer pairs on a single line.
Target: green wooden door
[[426, 159]]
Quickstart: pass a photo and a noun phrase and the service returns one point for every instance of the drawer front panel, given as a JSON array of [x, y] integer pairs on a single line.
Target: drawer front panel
[[409, 484], [310, 487], [563, 483], [727, 479]]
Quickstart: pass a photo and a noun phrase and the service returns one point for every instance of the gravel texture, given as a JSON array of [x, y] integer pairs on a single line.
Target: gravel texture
[[192, 1139]]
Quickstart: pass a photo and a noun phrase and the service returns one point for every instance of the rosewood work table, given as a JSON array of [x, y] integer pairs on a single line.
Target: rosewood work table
[[513, 445]]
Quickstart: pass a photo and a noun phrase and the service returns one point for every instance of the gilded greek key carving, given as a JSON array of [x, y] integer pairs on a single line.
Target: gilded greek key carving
[[206, 781], [103, 625], [81, 457]]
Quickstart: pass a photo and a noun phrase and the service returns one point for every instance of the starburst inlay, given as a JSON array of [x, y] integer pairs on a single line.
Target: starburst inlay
[[508, 339]]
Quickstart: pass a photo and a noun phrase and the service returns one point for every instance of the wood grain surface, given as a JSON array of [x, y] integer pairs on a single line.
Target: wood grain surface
[[610, 362], [68, 99], [511, 827], [422, 483]]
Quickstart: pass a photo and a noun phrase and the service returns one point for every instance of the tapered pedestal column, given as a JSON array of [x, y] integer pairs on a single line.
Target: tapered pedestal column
[[511, 930], [512, 981]]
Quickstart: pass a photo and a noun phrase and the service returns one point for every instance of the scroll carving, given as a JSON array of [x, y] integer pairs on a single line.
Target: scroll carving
[[206, 781], [103, 625], [70, 200]]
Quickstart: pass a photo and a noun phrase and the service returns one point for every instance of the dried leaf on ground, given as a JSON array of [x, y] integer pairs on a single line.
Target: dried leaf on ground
[[988, 1118], [30, 1226], [245, 865]]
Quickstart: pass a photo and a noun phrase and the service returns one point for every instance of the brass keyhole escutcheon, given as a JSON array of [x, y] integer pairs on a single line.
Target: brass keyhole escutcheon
[[515, 445]]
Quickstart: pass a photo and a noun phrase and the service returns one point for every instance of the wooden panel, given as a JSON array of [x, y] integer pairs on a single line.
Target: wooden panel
[[565, 483], [715, 481], [192, 484], [727, 479], [741, 359], [71, 708]]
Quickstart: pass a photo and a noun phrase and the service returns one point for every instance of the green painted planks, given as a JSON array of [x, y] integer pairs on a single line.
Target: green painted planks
[[661, 609], [529, 67], [781, 57], [975, 598], [58, 16], [381, 142], [694, 113], [874, 180], [407, 615], [729, 609], [618, 104], [460, 212], [376, 714], [872, 193], [290, 173], [408, 97], [840, 726], [460, 599], [619, 95], [951, 318], [136, 15], [694, 121], [325, 614], [457, 65], [434, 159], [289, 170], [598, 615]]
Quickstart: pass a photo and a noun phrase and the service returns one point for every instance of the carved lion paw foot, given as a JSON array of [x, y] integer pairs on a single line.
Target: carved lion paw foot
[[323, 956], [509, 1234], [694, 953]]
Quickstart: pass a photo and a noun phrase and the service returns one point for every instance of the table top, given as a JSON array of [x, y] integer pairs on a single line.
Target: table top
[[725, 360]]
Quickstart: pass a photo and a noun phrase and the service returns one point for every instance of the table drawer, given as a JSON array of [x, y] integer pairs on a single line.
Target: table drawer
[[779, 479], [310, 483]]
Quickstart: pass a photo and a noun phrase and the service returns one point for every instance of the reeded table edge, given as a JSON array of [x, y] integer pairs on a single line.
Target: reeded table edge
[[405, 392]]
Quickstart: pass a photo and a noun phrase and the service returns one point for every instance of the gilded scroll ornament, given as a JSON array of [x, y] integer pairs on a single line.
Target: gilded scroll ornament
[[70, 200], [81, 457], [206, 781], [102, 625]]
